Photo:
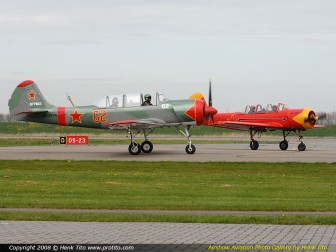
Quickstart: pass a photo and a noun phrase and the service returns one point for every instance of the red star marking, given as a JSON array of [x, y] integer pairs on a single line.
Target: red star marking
[[32, 95], [76, 116]]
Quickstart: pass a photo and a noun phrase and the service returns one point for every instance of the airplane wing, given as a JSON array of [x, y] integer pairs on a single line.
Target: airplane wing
[[140, 124], [236, 125]]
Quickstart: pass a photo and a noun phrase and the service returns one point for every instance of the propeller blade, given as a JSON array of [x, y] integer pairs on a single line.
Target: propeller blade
[[210, 94], [322, 116], [315, 118]]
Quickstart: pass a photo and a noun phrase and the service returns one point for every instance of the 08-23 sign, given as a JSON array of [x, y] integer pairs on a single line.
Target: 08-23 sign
[[74, 140]]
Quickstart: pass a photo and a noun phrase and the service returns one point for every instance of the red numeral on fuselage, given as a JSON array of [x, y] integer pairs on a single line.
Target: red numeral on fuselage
[[99, 115]]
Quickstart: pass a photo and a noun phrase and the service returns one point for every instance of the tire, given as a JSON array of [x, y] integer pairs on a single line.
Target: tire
[[190, 149], [302, 147], [283, 145], [254, 145], [146, 147], [134, 149]]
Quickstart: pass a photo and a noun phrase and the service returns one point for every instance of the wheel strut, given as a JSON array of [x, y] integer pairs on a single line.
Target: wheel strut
[[190, 148], [254, 144]]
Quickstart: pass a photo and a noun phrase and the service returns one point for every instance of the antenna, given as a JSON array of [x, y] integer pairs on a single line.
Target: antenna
[[69, 98]]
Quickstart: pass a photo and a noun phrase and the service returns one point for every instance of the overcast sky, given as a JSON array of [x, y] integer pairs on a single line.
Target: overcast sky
[[254, 51]]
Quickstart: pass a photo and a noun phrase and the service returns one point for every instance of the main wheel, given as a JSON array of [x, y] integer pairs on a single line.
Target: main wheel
[[302, 147], [134, 149], [254, 145], [283, 145], [146, 147], [190, 149]]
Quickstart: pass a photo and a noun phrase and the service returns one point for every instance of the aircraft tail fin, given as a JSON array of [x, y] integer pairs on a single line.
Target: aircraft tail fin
[[26, 99]]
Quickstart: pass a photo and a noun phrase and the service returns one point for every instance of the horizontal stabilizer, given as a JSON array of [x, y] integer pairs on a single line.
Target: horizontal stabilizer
[[28, 112]]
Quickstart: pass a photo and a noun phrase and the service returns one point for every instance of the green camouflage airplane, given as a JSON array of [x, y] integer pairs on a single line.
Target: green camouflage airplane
[[120, 112]]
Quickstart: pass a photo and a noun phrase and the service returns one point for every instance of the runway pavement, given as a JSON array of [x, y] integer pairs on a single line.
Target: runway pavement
[[318, 150], [173, 236]]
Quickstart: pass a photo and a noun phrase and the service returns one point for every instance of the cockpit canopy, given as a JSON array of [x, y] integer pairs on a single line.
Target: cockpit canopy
[[128, 100], [252, 109]]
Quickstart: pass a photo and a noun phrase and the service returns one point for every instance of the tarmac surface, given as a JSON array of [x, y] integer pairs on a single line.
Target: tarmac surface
[[175, 236], [318, 150]]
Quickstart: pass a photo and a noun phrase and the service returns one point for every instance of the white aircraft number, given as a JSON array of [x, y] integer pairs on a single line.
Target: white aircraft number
[[166, 106], [33, 104]]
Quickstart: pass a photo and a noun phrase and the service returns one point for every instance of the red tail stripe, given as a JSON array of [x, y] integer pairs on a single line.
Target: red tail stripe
[[61, 116]]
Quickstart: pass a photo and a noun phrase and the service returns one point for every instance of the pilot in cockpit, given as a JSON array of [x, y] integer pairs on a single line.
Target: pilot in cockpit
[[147, 101], [115, 102], [252, 109]]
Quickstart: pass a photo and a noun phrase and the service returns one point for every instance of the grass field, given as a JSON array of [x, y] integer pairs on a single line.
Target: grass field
[[168, 185], [163, 185]]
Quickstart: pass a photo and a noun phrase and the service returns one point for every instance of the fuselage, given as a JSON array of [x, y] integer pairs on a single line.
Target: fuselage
[[172, 112], [287, 119]]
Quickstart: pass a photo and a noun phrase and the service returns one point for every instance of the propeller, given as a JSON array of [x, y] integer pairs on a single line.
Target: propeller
[[312, 117], [322, 115], [210, 94], [209, 110]]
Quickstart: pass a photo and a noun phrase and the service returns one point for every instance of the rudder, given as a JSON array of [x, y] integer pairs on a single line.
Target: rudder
[[27, 98]]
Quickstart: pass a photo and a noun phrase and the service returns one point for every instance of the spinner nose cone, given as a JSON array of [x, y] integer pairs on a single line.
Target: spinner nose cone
[[311, 118], [210, 111]]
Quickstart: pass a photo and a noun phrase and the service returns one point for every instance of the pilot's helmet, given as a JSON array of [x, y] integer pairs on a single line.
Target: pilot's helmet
[[148, 97]]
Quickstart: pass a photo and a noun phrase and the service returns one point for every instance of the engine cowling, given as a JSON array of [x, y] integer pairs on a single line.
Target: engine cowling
[[200, 112], [307, 118]]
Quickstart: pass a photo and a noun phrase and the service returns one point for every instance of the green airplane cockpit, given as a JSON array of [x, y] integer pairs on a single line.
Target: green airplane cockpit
[[129, 100]]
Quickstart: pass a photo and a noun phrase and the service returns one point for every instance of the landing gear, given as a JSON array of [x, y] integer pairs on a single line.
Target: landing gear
[[254, 144], [190, 148], [146, 147], [301, 146], [284, 144], [134, 148]]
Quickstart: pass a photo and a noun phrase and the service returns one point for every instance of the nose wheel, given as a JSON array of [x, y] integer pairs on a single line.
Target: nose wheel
[[302, 146], [190, 149]]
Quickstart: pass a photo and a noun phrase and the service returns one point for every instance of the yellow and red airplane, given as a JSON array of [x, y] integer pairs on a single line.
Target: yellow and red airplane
[[258, 119]]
